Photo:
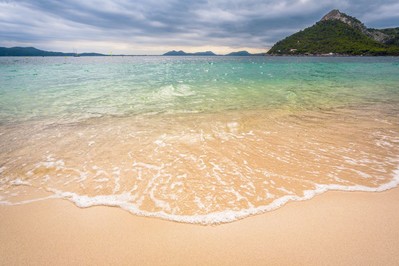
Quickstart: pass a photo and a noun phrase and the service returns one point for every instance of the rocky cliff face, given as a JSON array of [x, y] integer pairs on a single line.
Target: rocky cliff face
[[351, 21], [356, 24]]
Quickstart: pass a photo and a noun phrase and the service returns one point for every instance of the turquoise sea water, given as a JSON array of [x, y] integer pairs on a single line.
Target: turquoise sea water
[[196, 139], [77, 88]]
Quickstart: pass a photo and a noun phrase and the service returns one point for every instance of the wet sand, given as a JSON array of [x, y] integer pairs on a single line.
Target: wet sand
[[201, 168], [350, 228]]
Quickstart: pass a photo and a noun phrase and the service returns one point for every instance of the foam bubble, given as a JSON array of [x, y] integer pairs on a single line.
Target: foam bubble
[[19, 182]]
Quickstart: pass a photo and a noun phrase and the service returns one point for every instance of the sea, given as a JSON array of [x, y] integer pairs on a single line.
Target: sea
[[204, 140]]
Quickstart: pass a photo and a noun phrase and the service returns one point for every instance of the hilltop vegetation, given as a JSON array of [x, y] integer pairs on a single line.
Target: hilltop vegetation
[[340, 34]]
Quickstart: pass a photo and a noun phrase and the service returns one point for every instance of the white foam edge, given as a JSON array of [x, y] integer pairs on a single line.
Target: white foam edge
[[9, 203], [214, 218]]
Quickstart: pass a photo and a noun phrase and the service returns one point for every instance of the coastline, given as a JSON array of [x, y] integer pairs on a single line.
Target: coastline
[[180, 146], [334, 228]]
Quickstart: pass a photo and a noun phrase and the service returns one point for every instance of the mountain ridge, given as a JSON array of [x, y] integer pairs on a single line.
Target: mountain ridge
[[339, 33], [357, 24], [182, 53], [210, 53], [239, 53], [32, 51]]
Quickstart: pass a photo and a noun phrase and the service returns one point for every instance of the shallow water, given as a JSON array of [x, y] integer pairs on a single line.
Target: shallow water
[[196, 139]]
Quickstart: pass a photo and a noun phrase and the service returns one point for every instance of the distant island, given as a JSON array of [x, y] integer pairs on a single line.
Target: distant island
[[210, 53], [239, 53], [339, 34], [180, 53], [31, 51]]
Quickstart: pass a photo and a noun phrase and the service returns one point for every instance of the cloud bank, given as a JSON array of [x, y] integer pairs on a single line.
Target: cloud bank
[[156, 26]]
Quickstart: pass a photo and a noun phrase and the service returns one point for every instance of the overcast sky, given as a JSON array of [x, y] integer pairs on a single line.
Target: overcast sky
[[157, 26]]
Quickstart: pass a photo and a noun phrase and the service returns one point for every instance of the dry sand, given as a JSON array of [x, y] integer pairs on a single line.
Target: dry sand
[[334, 228]]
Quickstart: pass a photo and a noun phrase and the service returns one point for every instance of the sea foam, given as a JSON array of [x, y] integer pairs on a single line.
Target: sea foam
[[123, 201], [215, 218], [190, 141]]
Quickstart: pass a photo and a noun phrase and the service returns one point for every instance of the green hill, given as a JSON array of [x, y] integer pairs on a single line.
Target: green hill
[[338, 33]]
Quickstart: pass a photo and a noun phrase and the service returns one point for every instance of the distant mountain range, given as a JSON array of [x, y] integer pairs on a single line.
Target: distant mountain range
[[239, 53], [31, 51], [208, 53], [338, 33], [180, 53]]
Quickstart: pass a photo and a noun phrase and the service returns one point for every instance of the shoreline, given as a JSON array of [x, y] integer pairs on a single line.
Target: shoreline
[[333, 228]]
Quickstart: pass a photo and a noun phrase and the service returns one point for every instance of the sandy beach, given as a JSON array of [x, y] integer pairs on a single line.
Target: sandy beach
[[199, 133], [352, 228], [199, 141]]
